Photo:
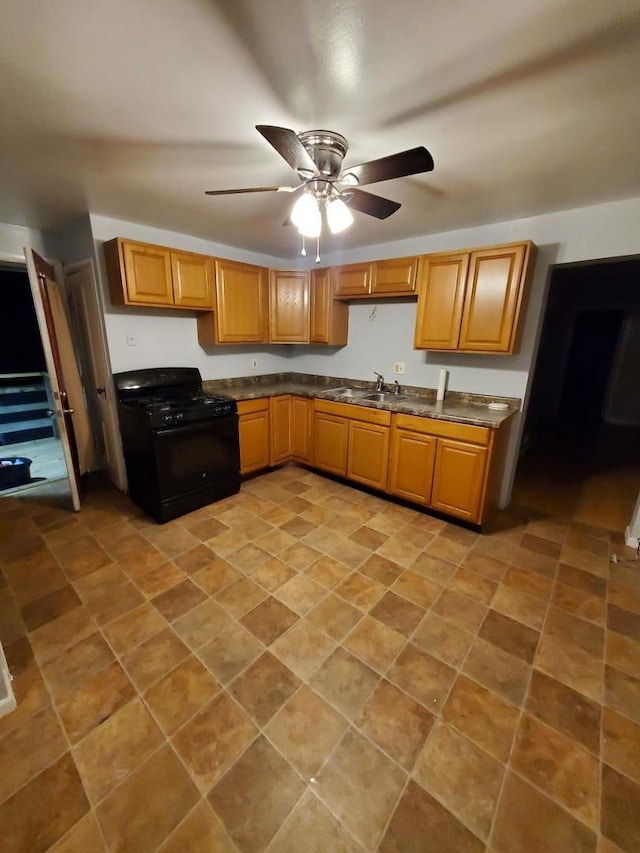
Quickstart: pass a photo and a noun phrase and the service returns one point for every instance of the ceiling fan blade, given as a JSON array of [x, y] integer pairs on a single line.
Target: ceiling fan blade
[[251, 190], [374, 205], [400, 165], [289, 147]]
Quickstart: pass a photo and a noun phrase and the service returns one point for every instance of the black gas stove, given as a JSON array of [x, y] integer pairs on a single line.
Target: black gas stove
[[183, 408], [180, 444]]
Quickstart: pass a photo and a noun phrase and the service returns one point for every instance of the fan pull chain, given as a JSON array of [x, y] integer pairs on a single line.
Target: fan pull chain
[[303, 251], [318, 249]]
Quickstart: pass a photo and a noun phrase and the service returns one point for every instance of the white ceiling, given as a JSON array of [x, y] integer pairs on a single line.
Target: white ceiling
[[132, 108]]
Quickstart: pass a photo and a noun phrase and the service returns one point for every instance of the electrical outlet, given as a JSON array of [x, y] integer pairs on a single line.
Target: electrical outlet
[[254, 363], [398, 367], [131, 340]]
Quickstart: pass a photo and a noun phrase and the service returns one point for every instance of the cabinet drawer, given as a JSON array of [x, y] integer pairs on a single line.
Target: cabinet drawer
[[245, 407], [443, 429]]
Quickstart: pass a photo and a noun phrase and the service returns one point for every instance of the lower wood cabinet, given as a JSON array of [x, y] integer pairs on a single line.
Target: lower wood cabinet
[[368, 456], [280, 428], [330, 442], [411, 468], [430, 462], [301, 435], [352, 441], [459, 479], [254, 435], [440, 464]]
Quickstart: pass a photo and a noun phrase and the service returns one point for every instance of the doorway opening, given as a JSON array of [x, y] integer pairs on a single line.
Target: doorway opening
[[31, 454], [580, 454]]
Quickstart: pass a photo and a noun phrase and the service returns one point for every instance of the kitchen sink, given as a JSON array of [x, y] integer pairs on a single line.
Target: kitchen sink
[[347, 392], [384, 397]]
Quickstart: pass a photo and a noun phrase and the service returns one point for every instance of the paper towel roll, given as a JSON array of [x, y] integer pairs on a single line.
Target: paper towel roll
[[442, 384]]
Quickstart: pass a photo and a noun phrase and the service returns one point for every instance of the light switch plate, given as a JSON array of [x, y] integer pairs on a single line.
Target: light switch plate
[[398, 367]]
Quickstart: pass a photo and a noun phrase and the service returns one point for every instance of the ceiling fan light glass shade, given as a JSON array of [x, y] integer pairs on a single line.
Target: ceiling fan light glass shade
[[305, 215], [339, 217]]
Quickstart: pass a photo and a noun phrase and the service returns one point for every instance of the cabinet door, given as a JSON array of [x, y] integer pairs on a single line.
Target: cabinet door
[[329, 317], [192, 280], [492, 299], [395, 276], [352, 280], [411, 468], [240, 303], [440, 300], [288, 307], [280, 428], [301, 409], [459, 479], [254, 441], [330, 438], [368, 454], [147, 274]]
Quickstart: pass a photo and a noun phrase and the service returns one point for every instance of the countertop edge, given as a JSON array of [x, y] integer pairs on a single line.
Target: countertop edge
[[474, 413]]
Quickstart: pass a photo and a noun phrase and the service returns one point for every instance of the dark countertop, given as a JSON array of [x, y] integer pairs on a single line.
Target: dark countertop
[[458, 407]]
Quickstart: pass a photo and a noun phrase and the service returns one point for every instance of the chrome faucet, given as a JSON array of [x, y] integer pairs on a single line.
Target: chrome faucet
[[379, 381], [396, 386]]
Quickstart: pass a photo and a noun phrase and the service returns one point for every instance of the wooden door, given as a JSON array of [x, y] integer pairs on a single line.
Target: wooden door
[[329, 316], [395, 276], [368, 454], [492, 299], [280, 428], [147, 272], [459, 479], [352, 280], [40, 272], [289, 306], [440, 300], [82, 288], [411, 466], [240, 303], [253, 425], [330, 440], [301, 410], [192, 280]]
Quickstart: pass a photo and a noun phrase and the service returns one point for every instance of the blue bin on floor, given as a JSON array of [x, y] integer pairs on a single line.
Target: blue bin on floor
[[16, 473]]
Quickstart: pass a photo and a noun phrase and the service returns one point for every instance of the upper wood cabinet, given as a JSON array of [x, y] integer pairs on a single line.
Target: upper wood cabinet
[[192, 277], [241, 306], [493, 295], [393, 277], [440, 302], [470, 301], [352, 280], [329, 317], [154, 276], [289, 309]]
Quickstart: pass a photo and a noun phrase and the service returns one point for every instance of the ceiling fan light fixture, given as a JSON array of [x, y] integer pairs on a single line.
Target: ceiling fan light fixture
[[339, 217], [305, 215]]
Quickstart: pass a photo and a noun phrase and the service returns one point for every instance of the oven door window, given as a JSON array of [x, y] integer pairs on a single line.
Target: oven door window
[[195, 455]]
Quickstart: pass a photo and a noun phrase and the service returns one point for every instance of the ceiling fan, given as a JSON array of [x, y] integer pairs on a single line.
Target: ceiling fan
[[327, 187]]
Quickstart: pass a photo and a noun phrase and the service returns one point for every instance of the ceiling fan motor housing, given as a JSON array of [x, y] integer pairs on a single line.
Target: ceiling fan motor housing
[[327, 149]]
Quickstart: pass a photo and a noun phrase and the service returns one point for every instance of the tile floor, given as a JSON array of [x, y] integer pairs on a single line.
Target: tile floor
[[306, 667]]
